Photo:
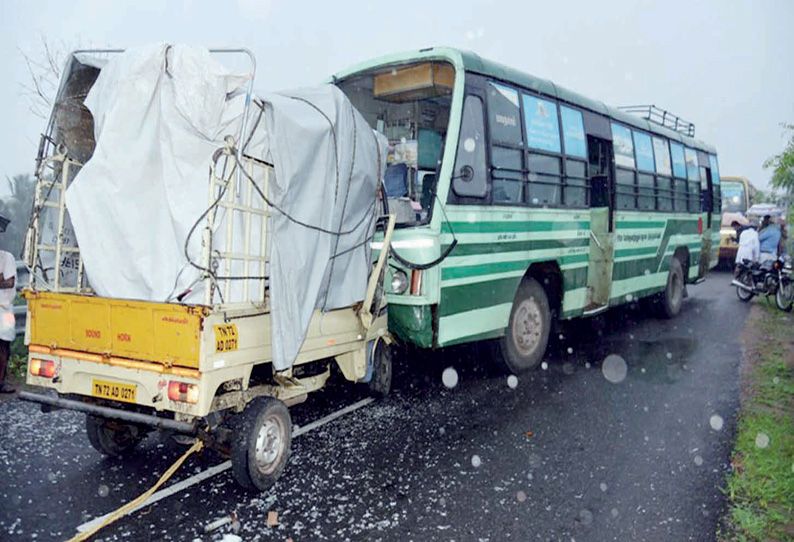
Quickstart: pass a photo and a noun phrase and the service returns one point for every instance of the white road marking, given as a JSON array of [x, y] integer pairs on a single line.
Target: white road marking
[[226, 465]]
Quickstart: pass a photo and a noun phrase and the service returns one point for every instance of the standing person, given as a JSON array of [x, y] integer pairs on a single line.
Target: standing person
[[8, 282], [781, 246], [749, 245], [769, 237]]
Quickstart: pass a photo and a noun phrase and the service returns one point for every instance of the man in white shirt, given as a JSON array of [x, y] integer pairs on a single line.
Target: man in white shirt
[[8, 291], [749, 245]]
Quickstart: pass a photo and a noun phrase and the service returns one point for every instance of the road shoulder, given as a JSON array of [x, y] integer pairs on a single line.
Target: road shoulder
[[760, 486]]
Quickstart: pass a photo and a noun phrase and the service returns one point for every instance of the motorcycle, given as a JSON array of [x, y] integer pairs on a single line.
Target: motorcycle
[[770, 278]]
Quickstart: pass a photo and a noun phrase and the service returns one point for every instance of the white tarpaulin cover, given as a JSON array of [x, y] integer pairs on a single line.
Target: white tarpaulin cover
[[160, 113]]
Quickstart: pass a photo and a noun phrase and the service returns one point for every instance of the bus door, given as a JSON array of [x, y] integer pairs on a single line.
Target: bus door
[[602, 198]]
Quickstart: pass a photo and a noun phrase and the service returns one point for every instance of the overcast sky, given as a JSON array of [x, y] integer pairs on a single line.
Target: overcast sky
[[726, 65]]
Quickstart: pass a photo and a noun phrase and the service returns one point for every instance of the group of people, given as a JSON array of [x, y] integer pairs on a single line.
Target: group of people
[[760, 244]]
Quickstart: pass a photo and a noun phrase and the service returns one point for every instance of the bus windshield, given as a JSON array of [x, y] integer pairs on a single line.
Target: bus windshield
[[734, 197], [410, 105]]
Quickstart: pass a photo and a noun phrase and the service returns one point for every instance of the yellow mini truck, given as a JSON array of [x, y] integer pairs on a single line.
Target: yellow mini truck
[[199, 370]]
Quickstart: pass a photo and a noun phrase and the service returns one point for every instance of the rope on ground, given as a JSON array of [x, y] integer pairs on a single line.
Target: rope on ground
[[124, 510]]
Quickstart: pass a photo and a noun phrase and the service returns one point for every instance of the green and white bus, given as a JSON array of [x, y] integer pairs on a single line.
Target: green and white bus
[[520, 202]]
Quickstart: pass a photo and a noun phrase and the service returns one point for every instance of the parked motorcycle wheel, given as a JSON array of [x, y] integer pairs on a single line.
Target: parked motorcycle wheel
[[741, 293], [784, 297]]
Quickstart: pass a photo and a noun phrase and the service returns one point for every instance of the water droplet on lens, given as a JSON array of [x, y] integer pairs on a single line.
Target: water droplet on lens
[[512, 381], [567, 368], [716, 422], [585, 517], [603, 486], [521, 496], [570, 350], [103, 490], [629, 298], [450, 377], [476, 461], [698, 460], [669, 355], [614, 368], [544, 365], [614, 512], [762, 440]]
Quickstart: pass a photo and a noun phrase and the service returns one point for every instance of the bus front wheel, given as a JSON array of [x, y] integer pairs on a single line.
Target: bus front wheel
[[527, 334]]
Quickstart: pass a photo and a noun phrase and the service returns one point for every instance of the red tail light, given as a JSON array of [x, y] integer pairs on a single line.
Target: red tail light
[[183, 392], [42, 367], [700, 226]]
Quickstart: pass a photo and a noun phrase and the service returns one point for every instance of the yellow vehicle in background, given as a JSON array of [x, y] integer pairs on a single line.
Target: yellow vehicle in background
[[737, 196]]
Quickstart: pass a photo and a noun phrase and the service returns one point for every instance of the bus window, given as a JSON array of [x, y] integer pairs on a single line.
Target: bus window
[[410, 105], [469, 175], [679, 162], [504, 121], [623, 145], [734, 197], [544, 179], [690, 172], [715, 179], [543, 129], [573, 137]]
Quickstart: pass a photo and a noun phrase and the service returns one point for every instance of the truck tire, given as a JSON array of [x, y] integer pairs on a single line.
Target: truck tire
[[112, 438], [382, 371], [261, 443], [527, 335]]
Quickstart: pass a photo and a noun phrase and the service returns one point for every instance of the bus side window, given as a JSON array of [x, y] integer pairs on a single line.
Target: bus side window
[[469, 177]]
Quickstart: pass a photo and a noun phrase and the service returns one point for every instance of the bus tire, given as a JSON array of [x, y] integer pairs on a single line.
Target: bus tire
[[112, 438], [671, 299], [261, 442], [382, 371], [527, 335]]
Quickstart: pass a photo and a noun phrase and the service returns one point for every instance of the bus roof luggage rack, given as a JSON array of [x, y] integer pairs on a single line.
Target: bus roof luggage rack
[[661, 117]]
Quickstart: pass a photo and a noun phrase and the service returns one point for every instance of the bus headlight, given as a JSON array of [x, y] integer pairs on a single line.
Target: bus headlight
[[399, 282]]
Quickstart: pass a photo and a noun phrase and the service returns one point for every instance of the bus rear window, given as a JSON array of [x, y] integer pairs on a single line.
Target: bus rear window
[[409, 104]]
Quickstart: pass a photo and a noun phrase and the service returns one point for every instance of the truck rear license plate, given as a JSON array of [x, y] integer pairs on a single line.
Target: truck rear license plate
[[114, 391]]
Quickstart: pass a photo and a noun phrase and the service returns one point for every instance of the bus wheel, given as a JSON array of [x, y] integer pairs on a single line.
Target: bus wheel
[[261, 443], [380, 383], [673, 296], [527, 334], [112, 438]]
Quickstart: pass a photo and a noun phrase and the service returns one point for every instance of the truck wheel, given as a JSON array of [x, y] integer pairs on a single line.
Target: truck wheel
[[380, 383], [261, 443], [112, 438], [671, 299], [527, 335]]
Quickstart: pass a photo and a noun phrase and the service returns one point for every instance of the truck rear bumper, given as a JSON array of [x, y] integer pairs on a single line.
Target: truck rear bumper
[[112, 413]]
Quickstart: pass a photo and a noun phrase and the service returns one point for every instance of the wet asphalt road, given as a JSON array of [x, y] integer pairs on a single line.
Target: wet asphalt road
[[565, 455]]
